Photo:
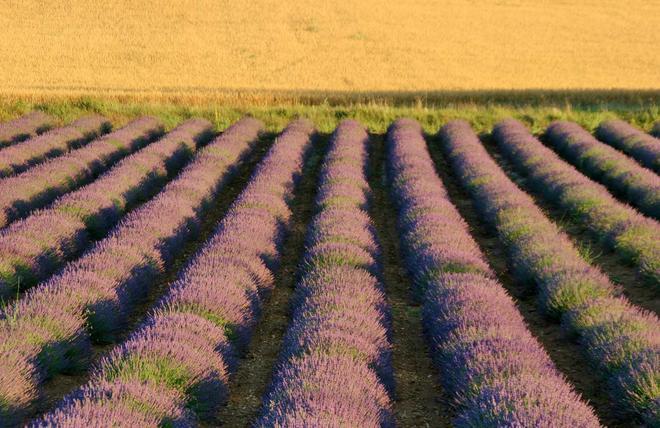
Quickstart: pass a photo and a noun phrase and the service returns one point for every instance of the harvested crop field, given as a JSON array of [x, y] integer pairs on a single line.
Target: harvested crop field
[[201, 267], [209, 46]]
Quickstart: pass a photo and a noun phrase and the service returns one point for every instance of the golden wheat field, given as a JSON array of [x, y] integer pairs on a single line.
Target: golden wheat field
[[365, 45]]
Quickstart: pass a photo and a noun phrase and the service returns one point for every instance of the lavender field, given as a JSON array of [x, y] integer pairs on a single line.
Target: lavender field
[[181, 276]]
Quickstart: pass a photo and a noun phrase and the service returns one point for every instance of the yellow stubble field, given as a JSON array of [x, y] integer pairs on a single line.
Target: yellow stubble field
[[359, 45]]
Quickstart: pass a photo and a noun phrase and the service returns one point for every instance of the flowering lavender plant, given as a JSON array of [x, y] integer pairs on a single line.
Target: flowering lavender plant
[[494, 370]]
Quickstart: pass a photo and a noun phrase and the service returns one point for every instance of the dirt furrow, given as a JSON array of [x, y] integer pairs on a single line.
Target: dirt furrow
[[420, 400], [256, 365]]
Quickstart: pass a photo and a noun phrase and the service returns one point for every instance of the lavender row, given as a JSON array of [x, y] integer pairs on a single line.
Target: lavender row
[[494, 370], [50, 329], [209, 311], [335, 367], [41, 184], [24, 127], [633, 142], [637, 185], [620, 340], [635, 237], [55, 142], [33, 248]]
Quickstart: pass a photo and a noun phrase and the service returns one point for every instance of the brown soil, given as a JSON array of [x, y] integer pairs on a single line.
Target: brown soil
[[419, 399], [255, 369]]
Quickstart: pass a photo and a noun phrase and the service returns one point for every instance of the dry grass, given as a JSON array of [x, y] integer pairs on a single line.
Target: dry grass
[[536, 110], [202, 46]]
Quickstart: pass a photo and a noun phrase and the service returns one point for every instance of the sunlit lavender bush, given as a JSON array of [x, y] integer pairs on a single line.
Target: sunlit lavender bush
[[613, 334], [494, 370], [91, 297], [335, 367], [33, 248], [186, 347]]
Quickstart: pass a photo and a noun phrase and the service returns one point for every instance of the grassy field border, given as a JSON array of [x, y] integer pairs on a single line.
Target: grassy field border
[[376, 110]]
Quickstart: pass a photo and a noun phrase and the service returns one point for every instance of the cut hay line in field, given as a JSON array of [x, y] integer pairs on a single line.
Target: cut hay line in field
[[336, 46]]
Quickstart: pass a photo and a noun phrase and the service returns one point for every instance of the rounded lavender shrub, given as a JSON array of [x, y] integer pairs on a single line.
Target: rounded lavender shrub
[[612, 333], [478, 339], [637, 185], [120, 404], [318, 389], [633, 142], [335, 364]]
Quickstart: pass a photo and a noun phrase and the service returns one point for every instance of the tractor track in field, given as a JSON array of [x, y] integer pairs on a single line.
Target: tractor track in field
[[419, 399], [566, 354], [61, 385], [257, 363], [594, 249]]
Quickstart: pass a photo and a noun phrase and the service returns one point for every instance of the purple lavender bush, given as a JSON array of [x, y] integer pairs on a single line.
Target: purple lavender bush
[[55, 142], [326, 390], [24, 127], [635, 238], [637, 185], [635, 143], [49, 330], [43, 183], [494, 370], [187, 346], [125, 404], [33, 248], [229, 279], [613, 334], [335, 362]]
